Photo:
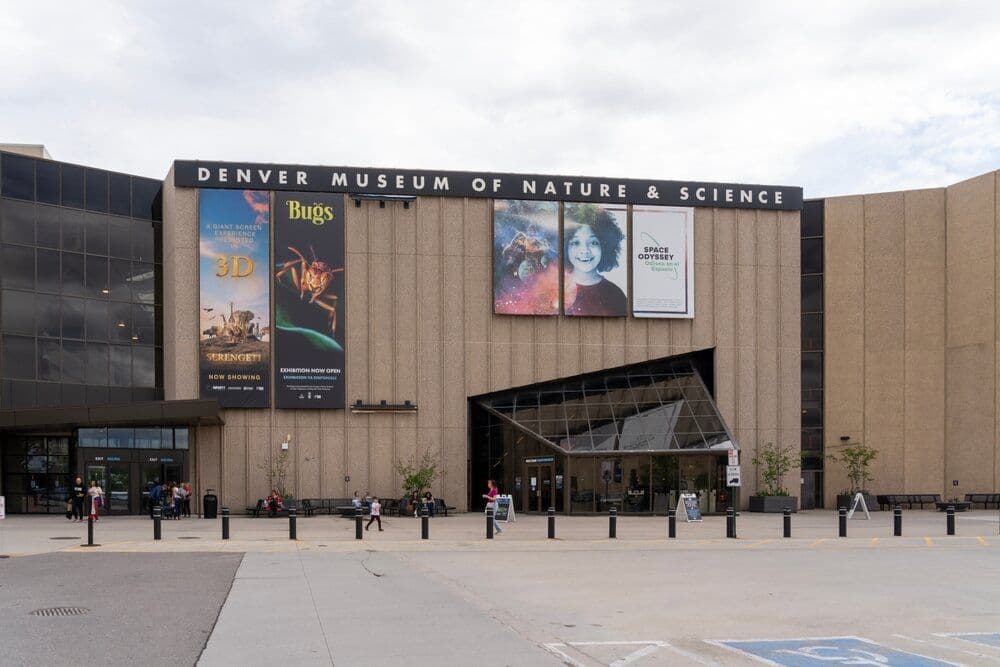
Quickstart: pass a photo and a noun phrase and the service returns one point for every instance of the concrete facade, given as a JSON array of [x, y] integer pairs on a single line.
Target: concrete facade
[[910, 304], [420, 327]]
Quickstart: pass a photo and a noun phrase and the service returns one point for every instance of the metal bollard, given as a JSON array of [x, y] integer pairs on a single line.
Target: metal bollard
[[291, 524], [157, 518], [897, 521], [357, 524], [787, 521], [425, 528], [842, 513], [489, 524], [730, 522], [90, 534], [671, 524], [552, 523], [225, 523], [951, 519], [612, 524]]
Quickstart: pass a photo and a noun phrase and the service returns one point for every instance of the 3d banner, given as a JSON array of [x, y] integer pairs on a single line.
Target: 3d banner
[[662, 261], [309, 300], [235, 297]]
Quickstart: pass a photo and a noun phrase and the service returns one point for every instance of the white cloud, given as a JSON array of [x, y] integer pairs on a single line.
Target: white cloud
[[844, 97]]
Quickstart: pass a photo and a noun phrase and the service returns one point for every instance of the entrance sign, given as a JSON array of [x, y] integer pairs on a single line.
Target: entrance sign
[[662, 262], [859, 500], [809, 652], [235, 324], [734, 457], [692, 511], [733, 476], [308, 275], [505, 509]]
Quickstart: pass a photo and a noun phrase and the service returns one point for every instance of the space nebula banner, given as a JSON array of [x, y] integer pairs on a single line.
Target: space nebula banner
[[525, 257], [309, 300], [234, 344]]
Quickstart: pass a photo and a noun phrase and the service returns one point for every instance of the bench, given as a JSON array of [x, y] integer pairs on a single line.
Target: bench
[[306, 508], [888, 501], [986, 499], [441, 507]]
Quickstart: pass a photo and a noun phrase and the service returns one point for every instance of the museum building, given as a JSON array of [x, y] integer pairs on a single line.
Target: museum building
[[588, 343]]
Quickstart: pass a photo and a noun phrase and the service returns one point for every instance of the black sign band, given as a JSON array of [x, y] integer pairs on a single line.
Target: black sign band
[[305, 178]]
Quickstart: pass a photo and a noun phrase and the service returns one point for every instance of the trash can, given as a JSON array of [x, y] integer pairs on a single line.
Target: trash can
[[209, 505]]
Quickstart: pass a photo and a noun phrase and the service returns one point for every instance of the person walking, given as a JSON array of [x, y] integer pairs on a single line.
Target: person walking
[[491, 502], [376, 515], [96, 496], [187, 499], [79, 497], [155, 493]]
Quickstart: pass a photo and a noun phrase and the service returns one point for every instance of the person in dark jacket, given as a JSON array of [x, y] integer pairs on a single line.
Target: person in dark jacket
[[78, 496]]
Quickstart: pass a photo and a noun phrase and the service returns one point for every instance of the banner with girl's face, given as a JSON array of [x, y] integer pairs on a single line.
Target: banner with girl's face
[[525, 257], [595, 250]]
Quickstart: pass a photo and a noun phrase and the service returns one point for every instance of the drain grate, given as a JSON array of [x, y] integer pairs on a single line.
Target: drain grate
[[61, 611], [64, 537]]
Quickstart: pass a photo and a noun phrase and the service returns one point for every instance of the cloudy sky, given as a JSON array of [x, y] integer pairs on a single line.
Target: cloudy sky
[[838, 97]]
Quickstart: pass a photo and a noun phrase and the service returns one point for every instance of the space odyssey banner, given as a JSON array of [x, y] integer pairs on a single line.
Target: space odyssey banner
[[410, 182], [309, 326], [234, 343]]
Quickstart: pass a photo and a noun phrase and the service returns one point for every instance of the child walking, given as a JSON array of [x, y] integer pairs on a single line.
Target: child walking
[[376, 514]]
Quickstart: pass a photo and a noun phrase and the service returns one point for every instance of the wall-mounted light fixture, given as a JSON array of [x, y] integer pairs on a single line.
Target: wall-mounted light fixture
[[360, 406], [845, 438], [358, 197]]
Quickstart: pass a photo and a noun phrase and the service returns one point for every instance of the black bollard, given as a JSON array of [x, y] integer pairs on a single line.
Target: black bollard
[[489, 524], [842, 513], [951, 519], [897, 521], [671, 524], [157, 518], [552, 523], [291, 524], [787, 521], [425, 528], [357, 524], [225, 523], [90, 534], [730, 522], [612, 524]]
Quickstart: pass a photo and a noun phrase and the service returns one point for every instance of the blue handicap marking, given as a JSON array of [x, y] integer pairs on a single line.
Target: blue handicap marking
[[984, 638], [829, 651]]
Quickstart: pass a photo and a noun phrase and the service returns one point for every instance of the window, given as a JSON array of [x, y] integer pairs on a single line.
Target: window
[[17, 177], [47, 182], [17, 222]]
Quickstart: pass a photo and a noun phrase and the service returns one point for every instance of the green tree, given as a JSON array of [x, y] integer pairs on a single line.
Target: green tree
[[417, 475], [773, 463], [857, 460]]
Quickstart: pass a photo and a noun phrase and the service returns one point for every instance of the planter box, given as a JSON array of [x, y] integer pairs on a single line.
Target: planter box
[[773, 503], [844, 500]]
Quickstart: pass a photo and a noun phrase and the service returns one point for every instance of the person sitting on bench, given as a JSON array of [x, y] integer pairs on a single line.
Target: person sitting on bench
[[274, 503]]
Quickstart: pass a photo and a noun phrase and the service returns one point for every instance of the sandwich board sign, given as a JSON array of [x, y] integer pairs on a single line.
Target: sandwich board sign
[[692, 512], [859, 500], [505, 509], [733, 475]]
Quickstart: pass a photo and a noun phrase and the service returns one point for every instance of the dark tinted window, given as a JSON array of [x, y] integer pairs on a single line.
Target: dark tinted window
[[812, 218], [97, 320], [812, 294], [97, 234], [812, 255], [119, 231], [17, 312], [47, 181], [97, 363], [48, 271], [19, 357], [143, 366], [97, 190], [47, 226], [97, 277], [24, 394], [119, 189], [72, 224], [18, 267], [72, 317], [74, 361], [73, 281], [812, 332], [18, 222], [145, 198], [121, 365], [812, 370], [143, 241], [47, 315], [72, 186], [120, 319], [120, 280], [49, 363], [49, 395], [18, 176]]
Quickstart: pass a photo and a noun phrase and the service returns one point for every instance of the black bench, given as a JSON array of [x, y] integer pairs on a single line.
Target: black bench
[[441, 507], [888, 501], [305, 507], [986, 499]]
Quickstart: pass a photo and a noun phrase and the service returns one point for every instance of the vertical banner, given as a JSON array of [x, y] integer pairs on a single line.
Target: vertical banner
[[235, 297], [595, 252], [525, 257], [309, 300], [662, 262]]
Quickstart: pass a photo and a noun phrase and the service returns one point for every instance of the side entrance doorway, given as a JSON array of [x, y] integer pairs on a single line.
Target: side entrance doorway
[[126, 475]]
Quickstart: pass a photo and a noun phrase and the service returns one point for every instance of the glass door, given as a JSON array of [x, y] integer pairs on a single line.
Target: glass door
[[117, 489], [539, 487]]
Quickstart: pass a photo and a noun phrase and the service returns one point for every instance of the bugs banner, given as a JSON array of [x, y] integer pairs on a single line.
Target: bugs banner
[[309, 300], [235, 318]]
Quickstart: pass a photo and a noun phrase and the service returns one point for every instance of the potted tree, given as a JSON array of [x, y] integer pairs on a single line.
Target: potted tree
[[773, 463], [857, 460], [416, 476]]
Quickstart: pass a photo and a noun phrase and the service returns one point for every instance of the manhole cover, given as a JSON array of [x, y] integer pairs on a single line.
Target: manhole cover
[[64, 537], [61, 611], [188, 537]]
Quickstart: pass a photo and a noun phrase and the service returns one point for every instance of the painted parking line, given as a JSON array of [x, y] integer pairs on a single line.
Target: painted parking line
[[984, 638], [812, 651], [636, 650]]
